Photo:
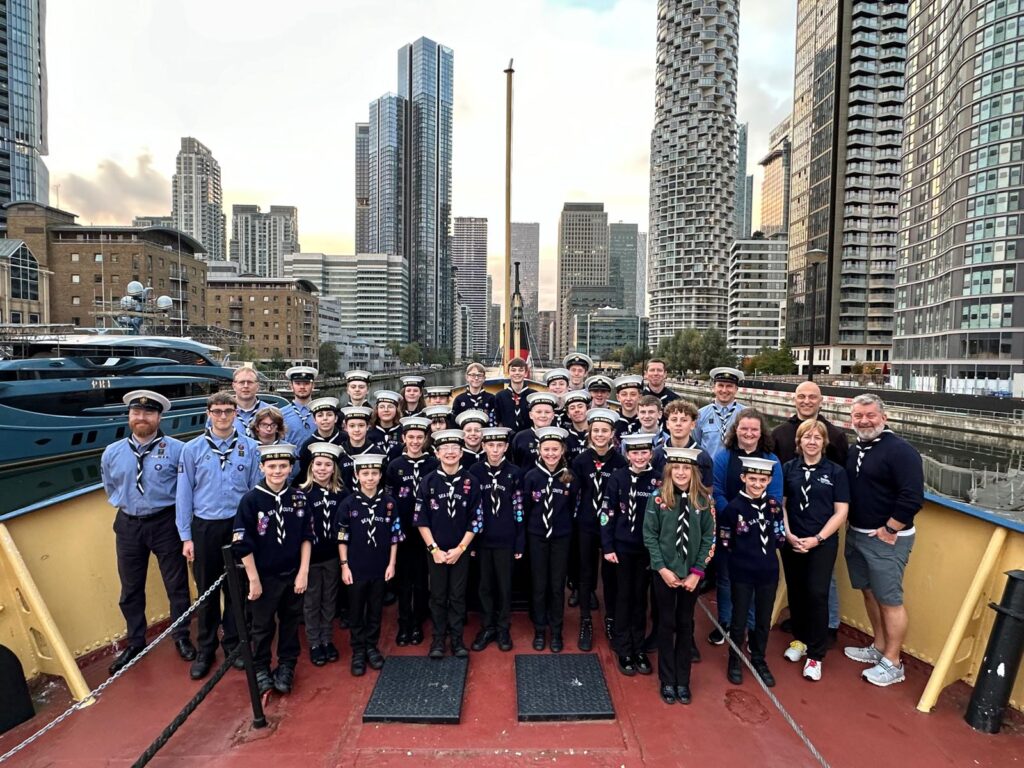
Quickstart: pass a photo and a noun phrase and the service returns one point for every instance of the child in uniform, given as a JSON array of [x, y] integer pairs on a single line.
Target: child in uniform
[[472, 422], [386, 431]]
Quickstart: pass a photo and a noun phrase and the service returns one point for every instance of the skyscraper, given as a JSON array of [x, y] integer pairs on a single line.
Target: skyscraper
[[847, 137], [362, 187], [526, 250], [744, 186], [693, 165], [757, 295], [260, 241], [385, 159], [775, 184], [582, 259], [641, 274], [23, 104], [469, 257], [622, 263], [959, 314], [196, 199]]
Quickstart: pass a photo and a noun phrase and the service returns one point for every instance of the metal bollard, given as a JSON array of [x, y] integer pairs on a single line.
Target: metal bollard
[[259, 720], [1002, 659]]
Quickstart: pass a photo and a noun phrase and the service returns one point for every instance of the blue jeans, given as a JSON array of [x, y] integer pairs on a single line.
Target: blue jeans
[[724, 591]]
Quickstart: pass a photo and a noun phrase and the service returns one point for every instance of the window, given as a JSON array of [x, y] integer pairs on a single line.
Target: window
[[75, 279], [24, 275], [97, 257], [74, 257], [16, 318], [97, 278], [76, 300]]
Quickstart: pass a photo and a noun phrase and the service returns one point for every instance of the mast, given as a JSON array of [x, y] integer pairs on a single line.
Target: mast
[[507, 344], [517, 317]]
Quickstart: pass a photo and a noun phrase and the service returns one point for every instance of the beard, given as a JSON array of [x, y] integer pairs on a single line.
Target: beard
[[870, 433], [143, 430]]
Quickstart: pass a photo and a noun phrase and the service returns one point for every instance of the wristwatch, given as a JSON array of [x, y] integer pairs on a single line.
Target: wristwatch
[[344, 562], [432, 547], [890, 529], [818, 537]]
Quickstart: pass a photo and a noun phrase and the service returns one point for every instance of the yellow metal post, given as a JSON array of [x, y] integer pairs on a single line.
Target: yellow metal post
[[44, 638], [947, 656]]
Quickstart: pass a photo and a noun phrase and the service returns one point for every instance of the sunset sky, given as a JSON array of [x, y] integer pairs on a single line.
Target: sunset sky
[[274, 90]]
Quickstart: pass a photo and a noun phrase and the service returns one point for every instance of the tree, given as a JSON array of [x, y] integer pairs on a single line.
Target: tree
[[246, 353], [277, 362], [628, 355], [394, 346], [693, 350], [328, 358], [714, 350], [410, 354], [771, 361]]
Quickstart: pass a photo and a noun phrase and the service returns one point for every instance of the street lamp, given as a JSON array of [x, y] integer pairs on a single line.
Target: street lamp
[[814, 257]]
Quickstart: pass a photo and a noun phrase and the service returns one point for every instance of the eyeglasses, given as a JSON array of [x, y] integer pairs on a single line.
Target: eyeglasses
[[221, 411], [266, 425], [475, 375]]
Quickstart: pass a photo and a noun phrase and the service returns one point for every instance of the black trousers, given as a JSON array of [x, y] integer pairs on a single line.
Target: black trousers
[[589, 553], [572, 571], [208, 536], [496, 586], [278, 610], [675, 631], [135, 539], [365, 605], [763, 598], [808, 576], [610, 586], [549, 559], [632, 576], [411, 568], [448, 596]]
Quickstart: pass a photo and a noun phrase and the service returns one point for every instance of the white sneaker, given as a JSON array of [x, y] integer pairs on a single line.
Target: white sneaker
[[796, 651], [866, 655], [884, 674], [812, 670]]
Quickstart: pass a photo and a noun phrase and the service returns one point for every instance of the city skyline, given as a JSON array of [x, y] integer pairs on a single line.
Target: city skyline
[[110, 176]]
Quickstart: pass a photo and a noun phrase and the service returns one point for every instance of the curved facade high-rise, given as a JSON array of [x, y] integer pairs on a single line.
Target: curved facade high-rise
[[959, 305], [693, 166]]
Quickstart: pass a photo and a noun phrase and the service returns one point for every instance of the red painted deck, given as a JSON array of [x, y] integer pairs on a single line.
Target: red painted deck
[[319, 724]]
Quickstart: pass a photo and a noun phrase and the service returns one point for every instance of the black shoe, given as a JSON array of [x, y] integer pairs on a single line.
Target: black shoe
[[668, 694], [402, 638], [264, 681], [358, 664], [627, 666], [574, 598], [436, 648], [556, 641], [375, 658], [586, 640], [416, 636], [330, 653], [459, 649], [694, 652], [124, 657], [538, 639], [239, 662], [484, 638], [593, 601], [284, 676], [683, 695], [650, 644], [390, 597], [643, 664], [201, 666], [786, 625], [317, 656], [504, 640], [609, 628], [734, 671], [761, 667], [186, 650], [716, 637]]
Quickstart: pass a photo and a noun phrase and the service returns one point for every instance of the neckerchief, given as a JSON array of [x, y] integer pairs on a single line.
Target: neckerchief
[[370, 506], [222, 455], [450, 481], [724, 414], [415, 469], [326, 519], [546, 498], [805, 487], [631, 509], [141, 452], [759, 506], [277, 514], [598, 483], [862, 447], [302, 415], [495, 497], [683, 525]]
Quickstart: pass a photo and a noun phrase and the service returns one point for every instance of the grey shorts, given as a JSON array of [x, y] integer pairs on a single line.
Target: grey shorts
[[878, 566]]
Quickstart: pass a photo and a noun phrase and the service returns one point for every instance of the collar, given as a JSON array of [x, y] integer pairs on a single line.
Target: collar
[[762, 497]]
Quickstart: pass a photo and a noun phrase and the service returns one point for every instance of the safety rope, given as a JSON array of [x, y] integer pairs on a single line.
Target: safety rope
[[98, 691], [771, 696]]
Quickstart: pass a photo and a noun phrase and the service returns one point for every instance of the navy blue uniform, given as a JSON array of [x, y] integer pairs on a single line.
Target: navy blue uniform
[[626, 425], [481, 401], [503, 537], [306, 455], [549, 506], [321, 599], [511, 409], [388, 437], [524, 448], [402, 480], [470, 457], [346, 463], [666, 395], [704, 461]]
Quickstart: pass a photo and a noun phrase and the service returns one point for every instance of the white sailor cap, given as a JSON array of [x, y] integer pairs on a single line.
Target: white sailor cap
[[726, 374], [414, 422], [413, 381], [555, 374], [541, 398], [578, 358], [437, 412], [325, 449], [638, 441], [544, 434], [752, 465], [448, 437], [681, 455], [629, 381], [387, 396], [350, 412], [496, 434], [594, 383], [576, 396], [301, 373], [472, 416], [368, 460], [324, 404], [147, 400], [439, 391], [277, 451], [602, 414], [357, 375]]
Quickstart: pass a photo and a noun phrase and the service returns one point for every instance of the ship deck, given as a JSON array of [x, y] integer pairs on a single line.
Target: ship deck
[[850, 722]]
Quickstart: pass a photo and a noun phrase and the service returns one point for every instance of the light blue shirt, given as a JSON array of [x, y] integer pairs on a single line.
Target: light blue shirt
[[205, 489], [713, 421], [299, 425], [118, 467], [243, 419]]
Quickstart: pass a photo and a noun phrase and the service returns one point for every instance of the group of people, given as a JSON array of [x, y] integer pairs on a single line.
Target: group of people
[[331, 506]]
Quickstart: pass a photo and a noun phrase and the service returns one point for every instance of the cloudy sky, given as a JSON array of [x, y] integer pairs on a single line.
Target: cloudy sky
[[274, 91]]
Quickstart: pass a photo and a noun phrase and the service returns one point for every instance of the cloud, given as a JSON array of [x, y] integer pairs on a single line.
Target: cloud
[[114, 194]]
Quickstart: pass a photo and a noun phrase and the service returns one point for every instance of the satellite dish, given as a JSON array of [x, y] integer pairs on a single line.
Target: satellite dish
[[164, 302], [135, 288], [127, 302]]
